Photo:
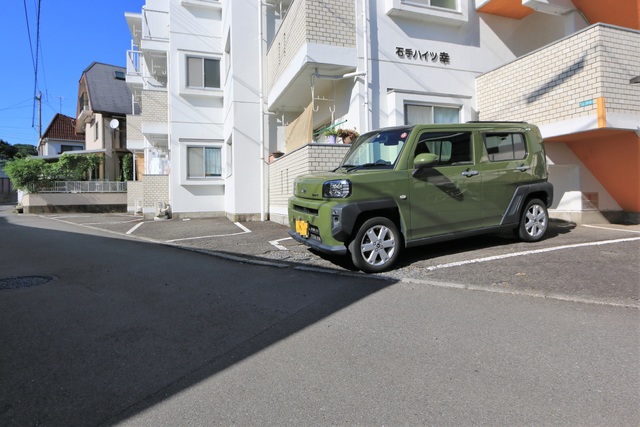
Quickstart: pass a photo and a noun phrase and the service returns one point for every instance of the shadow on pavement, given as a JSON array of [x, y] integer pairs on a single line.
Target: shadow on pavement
[[128, 323]]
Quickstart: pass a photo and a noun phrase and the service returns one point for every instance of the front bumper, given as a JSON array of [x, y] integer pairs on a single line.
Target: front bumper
[[319, 246]]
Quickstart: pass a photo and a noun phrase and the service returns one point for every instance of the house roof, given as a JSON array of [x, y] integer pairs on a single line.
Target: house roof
[[62, 127], [107, 93]]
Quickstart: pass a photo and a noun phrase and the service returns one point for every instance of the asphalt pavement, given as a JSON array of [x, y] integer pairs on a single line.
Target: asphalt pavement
[[589, 263], [112, 320]]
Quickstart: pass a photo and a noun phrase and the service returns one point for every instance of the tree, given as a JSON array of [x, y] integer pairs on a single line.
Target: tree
[[127, 167], [25, 150], [31, 173], [25, 173], [7, 151]]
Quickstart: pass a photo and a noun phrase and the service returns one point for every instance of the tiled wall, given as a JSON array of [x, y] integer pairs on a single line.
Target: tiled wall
[[134, 127], [149, 191], [156, 189], [307, 159], [563, 81], [154, 106], [329, 22]]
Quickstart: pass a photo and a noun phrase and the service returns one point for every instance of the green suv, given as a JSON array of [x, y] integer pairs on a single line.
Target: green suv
[[413, 185]]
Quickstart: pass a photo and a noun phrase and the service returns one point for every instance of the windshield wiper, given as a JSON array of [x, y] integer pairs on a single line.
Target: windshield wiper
[[348, 167]]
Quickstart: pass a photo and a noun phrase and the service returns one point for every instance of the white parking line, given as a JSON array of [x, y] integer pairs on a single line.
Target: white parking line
[[611, 228], [244, 229], [537, 251], [134, 228], [277, 244]]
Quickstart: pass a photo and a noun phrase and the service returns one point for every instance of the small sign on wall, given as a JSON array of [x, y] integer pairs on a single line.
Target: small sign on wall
[[587, 103]]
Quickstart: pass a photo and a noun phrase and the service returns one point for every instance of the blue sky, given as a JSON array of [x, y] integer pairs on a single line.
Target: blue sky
[[73, 34]]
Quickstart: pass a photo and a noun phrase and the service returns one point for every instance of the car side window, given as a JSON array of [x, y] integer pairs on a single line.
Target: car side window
[[452, 148], [504, 146]]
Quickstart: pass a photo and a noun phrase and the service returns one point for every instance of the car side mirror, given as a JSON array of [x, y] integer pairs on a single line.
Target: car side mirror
[[425, 160]]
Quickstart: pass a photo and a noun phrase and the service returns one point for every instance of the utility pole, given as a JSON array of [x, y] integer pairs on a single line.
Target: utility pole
[[39, 99]]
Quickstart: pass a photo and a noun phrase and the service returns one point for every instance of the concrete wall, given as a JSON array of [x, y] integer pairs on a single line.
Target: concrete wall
[[307, 159], [82, 202]]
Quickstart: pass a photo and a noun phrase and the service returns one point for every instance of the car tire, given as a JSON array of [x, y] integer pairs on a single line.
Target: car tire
[[376, 246], [534, 221]]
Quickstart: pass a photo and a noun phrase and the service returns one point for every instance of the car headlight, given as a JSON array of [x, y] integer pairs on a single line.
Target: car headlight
[[336, 189]]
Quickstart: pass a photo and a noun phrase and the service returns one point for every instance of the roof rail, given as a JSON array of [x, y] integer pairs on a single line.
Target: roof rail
[[495, 121]]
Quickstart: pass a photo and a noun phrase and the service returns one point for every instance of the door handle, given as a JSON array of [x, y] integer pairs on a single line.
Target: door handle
[[523, 168], [469, 173]]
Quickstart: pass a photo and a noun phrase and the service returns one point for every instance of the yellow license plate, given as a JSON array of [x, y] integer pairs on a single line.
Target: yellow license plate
[[302, 228]]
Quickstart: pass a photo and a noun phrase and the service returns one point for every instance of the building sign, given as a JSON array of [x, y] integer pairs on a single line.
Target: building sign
[[586, 103], [408, 53]]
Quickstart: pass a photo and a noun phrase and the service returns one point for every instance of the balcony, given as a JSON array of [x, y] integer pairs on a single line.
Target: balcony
[[582, 83], [203, 4], [315, 36], [155, 30]]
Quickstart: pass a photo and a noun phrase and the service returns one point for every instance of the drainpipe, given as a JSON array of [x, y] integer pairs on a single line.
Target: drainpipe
[[261, 118], [365, 45]]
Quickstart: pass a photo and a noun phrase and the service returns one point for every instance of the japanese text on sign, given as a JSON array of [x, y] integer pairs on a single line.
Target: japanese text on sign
[[408, 53]]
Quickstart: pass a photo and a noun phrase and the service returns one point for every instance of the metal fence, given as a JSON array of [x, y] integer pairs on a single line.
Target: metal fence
[[82, 187]]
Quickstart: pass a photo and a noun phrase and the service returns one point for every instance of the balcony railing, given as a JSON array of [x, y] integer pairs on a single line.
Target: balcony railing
[[134, 63], [307, 23], [81, 187]]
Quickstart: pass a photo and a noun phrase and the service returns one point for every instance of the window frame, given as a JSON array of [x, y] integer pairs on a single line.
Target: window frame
[[429, 3], [438, 138], [202, 74], [514, 150], [204, 176], [432, 107]]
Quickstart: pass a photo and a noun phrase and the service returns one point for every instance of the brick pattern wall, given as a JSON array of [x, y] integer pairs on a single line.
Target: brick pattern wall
[[135, 193], [154, 106], [311, 158], [330, 22], [156, 189], [548, 85], [134, 127], [151, 190]]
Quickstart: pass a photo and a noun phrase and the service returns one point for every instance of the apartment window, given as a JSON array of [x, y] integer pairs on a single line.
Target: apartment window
[[428, 114], [505, 146], [445, 4], [203, 72], [204, 162]]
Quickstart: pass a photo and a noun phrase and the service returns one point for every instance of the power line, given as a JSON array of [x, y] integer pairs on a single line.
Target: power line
[[26, 16]]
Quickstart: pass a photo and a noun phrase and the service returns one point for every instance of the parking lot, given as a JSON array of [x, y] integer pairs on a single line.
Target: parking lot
[[588, 263], [153, 334]]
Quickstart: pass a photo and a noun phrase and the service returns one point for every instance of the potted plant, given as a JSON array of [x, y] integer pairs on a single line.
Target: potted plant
[[348, 135], [331, 133]]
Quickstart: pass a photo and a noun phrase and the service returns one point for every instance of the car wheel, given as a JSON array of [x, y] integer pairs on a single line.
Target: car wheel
[[534, 221], [376, 246]]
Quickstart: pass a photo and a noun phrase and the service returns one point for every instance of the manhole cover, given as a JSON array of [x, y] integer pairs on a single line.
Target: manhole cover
[[24, 281]]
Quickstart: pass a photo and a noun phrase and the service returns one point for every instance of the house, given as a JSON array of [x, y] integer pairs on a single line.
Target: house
[[222, 84], [103, 103], [60, 137]]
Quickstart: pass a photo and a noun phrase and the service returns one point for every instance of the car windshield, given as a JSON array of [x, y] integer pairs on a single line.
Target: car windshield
[[380, 148]]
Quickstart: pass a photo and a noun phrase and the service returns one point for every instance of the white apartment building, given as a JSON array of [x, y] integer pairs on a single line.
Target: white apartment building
[[222, 84], [569, 66], [195, 131]]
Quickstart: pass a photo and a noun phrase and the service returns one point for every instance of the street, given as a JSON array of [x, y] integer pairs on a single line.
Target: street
[[127, 331]]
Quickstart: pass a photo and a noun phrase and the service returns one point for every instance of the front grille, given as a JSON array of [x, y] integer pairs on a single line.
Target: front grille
[[314, 233], [304, 210]]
